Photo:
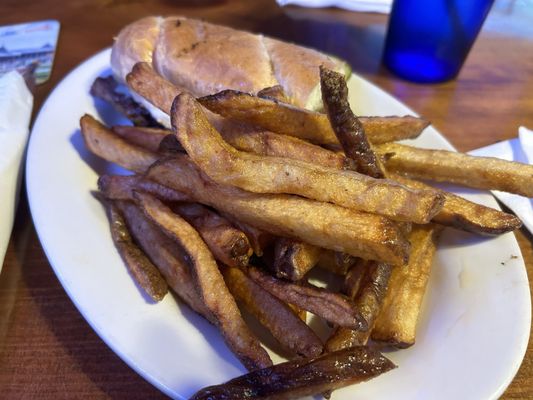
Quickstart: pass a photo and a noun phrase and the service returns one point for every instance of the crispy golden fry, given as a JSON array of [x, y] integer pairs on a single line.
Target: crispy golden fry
[[265, 143], [141, 268], [147, 138], [331, 306], [466, 215], [368, 291], [288, 329], [391, 129], [153, 87], [283, 118], [336, 262], [293, 258], [276, 93], [228, 244], [304, 124], [322, 224], [170, 259], [224, 164], [305, 377], [396, 323], [346, 125], [449, 166], [210, 283], [121, 187], [105, 89], [105, 144]]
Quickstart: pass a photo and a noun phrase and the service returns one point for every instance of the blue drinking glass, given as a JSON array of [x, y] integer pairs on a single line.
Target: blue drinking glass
[[428, 40]]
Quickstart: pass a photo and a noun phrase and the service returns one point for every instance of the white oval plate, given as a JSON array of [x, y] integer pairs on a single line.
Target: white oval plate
[[474, 327]]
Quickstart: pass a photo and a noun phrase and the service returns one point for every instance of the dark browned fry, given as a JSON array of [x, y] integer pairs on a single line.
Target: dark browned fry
[[367, 284], [259, 239], [322, 224], [228, 244], [284, 119], [141, 268], [466, 215], [225, 164], [147, 138], [463, 169], [105, 144], [305, 377], [105, 89], [333, 307], [334, 261], [397, 320], [346, 125], [169, 145], [170, 259], [293, 259], [276, 93], [210, 283], [285, 325], [121, 187]]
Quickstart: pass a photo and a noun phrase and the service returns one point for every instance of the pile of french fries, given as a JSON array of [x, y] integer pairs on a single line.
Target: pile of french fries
[[248, 193]]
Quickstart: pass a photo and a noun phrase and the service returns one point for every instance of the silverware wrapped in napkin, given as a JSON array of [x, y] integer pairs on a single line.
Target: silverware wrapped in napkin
[[16, 102]]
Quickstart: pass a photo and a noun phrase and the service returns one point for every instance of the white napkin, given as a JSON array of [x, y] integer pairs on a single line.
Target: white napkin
[[379, 6], [520, 150], [16, 102]]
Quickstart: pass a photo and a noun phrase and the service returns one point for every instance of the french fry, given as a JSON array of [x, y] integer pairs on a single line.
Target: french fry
[[391, 129], [147, 138], [210, 283], [258, 238], [304, 377], [225, 164], [368, 291], [463, 214], [331, 306], [449, 166], [293, 259], [163, 252], [265, 143], [347, 127], [456, 212], [322, 224], [286, 327], [228, 244], [283, 118], [304, 124], [153, 87], [104, 88], [141, 268], [105, 144], [397, 320], [336, 262], [121, 187]]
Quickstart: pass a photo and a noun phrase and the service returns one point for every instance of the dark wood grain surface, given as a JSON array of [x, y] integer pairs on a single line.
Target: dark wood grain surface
[[48, 351]]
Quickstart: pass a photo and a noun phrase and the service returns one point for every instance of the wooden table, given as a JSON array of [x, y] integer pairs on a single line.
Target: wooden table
[[47, 350]]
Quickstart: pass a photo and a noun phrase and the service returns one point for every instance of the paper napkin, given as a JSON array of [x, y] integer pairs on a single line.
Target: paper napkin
[[379, 6], [520, 150], [16, 102]]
